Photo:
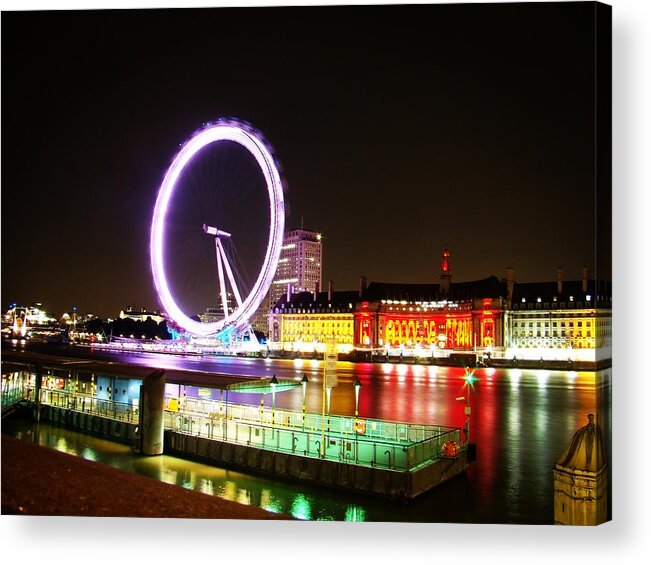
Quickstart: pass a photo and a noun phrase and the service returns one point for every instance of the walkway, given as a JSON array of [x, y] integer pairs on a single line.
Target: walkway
[[38, 481]]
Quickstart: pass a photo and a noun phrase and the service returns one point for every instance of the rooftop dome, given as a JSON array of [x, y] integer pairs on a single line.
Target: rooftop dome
[[586, 450]]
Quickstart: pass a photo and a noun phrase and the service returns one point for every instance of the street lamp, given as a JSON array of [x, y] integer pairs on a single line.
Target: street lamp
[[357, 386], [470, 383], [304, 385], [328, 391], [274, 382]]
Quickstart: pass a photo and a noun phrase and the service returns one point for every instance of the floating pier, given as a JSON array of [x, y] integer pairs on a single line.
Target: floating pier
[[393, 459]]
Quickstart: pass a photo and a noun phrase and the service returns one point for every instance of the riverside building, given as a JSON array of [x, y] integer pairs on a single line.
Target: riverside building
[[562, 320], [300, 268], [422, 319], [299, 265], [302, 322]]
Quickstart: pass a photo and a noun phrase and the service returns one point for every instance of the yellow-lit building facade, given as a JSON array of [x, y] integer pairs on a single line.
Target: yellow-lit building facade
[[566, 320], [307, 320]]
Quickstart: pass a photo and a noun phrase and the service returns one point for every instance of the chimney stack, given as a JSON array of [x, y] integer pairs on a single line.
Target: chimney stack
[[362, 285], [330, 285], [559, 280], [584, 279], [509, 284], [316, 290]]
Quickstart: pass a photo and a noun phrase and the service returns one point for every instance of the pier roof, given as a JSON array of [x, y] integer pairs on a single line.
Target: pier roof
[[16, 360]]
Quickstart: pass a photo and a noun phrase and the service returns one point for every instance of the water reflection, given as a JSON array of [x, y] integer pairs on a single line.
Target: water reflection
[[63, 446], [269, 502], [301, 508], [522, 421], [355, 514], [542, 377]]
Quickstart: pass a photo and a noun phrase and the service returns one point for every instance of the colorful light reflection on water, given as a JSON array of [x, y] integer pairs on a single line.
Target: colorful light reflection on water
[[522, 421]]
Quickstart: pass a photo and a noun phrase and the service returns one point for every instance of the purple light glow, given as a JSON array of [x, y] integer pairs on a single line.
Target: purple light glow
[[252, 141]]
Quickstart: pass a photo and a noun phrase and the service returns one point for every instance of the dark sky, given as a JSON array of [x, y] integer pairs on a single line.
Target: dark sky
[[400, 130]]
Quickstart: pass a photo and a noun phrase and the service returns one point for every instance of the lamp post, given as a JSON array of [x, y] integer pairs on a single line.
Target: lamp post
[[328, 391], [470, 383], [357, 386], [304, 385], [274, 382]]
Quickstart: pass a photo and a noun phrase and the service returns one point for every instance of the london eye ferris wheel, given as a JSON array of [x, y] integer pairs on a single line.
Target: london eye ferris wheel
[[239, 304]]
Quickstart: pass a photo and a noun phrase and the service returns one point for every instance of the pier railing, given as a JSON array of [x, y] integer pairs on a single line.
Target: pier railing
[[90, 405], [15, 387], [386, 430], [20, 386], [373, 443], [11, 395]]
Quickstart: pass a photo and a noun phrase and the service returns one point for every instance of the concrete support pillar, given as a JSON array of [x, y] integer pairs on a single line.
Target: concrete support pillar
[[152, 405], [38, 383]]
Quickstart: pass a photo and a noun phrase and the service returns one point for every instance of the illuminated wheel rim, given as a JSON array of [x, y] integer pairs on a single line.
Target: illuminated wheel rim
[[252, 141]]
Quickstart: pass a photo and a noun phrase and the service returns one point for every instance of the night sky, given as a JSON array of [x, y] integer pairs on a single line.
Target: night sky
[[400, 130]]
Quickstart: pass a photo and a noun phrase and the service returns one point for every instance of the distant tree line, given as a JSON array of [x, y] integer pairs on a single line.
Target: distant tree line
[[127, 327]]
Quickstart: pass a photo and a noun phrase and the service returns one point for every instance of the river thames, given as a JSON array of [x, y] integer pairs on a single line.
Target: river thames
[[522, 422]]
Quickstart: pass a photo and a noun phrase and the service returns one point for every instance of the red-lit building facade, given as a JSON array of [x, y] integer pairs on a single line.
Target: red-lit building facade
[[462, 317], [424, 317], [469, 316]]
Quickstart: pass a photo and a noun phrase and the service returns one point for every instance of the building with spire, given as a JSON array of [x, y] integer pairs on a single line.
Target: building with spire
[[427, 318], [446, 274]]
